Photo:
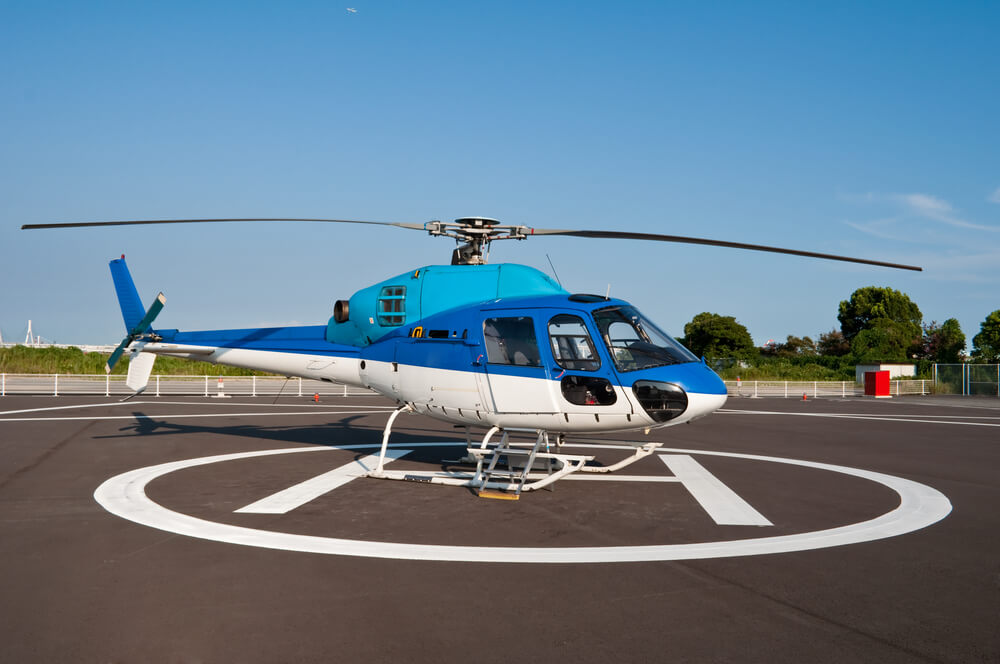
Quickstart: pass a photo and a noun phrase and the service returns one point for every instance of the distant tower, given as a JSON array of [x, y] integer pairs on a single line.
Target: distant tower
[[29, 338]]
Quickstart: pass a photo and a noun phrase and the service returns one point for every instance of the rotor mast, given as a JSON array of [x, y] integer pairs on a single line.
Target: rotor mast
[[476, 233]]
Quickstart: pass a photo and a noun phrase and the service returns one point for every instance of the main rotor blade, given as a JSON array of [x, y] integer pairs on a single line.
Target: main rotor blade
[[625, 235], [137, 222]]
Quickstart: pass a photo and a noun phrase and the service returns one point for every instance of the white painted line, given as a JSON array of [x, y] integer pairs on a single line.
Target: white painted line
[[288, 499], [141, 416], [85, 405], [886, 415], [125, 496], [130, 404], [722, 504], [882, 418]]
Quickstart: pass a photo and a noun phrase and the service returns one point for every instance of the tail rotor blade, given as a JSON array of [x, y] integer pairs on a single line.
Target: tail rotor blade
[[136, 332], [117, 354], [151, 314]]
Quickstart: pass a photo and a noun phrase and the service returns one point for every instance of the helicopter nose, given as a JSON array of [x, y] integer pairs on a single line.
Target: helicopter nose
[[680, 393]]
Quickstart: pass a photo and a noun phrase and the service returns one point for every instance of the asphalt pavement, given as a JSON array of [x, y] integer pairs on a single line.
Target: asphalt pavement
[[827, 530]]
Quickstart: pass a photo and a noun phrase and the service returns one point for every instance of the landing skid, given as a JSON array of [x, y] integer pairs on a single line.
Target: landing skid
[[504, 469]]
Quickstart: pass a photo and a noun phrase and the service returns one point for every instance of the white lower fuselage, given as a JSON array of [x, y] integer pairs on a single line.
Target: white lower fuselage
[[474, 398]]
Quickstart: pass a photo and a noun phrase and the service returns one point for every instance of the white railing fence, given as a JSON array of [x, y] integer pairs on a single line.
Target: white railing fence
[[813, 389], [208, 386]]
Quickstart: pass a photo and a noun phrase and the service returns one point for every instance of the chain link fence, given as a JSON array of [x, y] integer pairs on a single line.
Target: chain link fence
[[967, 379]]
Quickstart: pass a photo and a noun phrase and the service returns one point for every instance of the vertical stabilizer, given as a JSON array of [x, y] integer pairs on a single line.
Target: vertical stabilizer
[[128, 296]]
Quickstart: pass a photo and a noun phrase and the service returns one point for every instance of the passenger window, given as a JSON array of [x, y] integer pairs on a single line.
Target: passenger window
[[572, 347], [511, 341]]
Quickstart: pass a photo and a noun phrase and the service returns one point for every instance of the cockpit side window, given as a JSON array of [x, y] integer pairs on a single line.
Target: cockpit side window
[[511, 340], [572, 347], [635, 342]]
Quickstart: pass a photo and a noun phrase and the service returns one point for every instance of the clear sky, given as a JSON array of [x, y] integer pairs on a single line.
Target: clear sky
[[861, 128]]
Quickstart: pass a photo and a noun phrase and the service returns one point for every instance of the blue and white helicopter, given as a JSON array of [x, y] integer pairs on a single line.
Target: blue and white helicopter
[[501, 347]]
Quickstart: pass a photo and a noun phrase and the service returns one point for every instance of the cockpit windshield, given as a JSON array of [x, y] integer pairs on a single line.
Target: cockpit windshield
[[635, 342]]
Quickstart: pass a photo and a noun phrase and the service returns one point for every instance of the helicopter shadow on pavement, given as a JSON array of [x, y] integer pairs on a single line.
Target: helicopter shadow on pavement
[[342, 432]]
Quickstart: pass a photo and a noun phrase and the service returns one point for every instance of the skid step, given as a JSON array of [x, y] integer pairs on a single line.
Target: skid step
[[497, 495]]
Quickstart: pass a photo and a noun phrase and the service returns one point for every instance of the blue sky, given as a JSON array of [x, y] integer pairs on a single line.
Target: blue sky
[[865, 129]]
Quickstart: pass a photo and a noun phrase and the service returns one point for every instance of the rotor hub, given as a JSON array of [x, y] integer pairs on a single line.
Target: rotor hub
[[474, 235], [476, 222]]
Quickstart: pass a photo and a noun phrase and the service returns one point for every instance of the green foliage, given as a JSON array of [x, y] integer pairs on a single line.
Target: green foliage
[[793, 347], [22, 359], [943, 343], [987, 342], [881, 324], [715, 336], [833, 344], [793, 368], [884, 340]]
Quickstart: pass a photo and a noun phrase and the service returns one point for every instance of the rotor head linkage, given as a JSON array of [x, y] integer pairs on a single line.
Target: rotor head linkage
[[476, 233]]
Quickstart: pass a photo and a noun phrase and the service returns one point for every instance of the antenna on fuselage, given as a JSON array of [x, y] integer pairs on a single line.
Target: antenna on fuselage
[[607, 295], [556, 274]]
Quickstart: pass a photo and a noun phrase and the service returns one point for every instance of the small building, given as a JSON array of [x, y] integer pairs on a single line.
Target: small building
[[895, 370]]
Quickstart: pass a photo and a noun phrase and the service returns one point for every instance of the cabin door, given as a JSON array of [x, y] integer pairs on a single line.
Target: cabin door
[[518, 379]]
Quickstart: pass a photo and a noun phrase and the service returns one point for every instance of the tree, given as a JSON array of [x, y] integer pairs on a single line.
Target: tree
[[833, 344], [793, 347], [987, 342], [887, 320], [871, 303], [715, 336], [883, 339], [945, 343]]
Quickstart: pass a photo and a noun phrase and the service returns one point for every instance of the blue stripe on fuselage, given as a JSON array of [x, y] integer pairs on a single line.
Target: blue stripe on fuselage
[[308, 339], [453, 353], [694, 377]]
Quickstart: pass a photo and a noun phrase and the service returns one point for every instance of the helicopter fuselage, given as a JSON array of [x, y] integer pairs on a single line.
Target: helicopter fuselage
[[490, 345]]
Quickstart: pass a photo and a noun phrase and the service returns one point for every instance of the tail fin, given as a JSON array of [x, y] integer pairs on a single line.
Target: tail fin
[[128, 296]]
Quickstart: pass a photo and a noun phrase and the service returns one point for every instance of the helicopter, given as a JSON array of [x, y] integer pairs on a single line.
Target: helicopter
[[475, 344]]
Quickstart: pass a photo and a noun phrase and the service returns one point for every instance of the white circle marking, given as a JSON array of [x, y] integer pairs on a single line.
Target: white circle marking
[[124, 495]]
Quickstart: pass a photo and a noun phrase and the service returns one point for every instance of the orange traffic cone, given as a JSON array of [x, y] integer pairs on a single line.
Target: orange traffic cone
[[316, 397], [804, 398]]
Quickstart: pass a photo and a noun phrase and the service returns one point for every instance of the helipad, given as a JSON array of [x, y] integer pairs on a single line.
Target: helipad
[[920, 506], [237, 532]]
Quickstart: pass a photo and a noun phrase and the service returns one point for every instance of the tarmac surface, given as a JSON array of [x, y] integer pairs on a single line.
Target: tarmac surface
[[745, 560]]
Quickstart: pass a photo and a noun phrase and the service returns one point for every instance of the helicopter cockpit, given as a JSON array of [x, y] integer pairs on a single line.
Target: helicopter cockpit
[[634, 342]]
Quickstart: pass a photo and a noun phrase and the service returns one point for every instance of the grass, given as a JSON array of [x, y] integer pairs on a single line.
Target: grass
[[24, 360]]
